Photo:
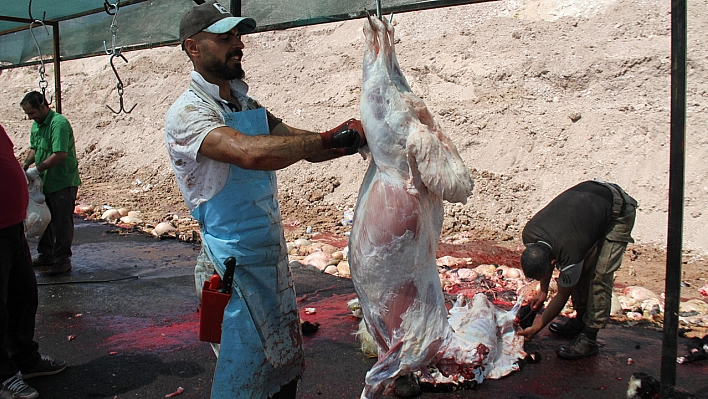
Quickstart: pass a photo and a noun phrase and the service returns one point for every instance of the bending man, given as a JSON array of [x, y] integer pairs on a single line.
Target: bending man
[[582, 233]]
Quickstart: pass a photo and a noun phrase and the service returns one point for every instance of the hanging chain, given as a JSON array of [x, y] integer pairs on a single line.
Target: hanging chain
[[43, 84], [112, 9]]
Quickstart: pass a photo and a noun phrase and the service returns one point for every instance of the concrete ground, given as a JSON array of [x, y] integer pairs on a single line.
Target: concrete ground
[[126, 321]]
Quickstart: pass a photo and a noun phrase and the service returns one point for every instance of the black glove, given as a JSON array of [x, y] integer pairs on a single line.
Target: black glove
[[349, 135]]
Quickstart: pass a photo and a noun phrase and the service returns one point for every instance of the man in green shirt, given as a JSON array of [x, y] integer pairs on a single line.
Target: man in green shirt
[[53, 152]]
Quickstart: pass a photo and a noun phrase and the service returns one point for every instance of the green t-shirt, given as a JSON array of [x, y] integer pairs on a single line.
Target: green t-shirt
[[55, 135]]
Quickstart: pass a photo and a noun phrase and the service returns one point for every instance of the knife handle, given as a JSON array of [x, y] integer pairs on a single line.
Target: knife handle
[[230, 264]]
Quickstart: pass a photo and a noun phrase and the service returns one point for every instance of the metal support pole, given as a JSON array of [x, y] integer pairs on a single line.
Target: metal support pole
[[676, 196], [57, 70], [236, 8]]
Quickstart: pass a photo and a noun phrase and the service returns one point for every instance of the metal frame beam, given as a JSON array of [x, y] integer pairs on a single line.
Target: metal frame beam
[[57, 70], [365, 13], [677, 157]]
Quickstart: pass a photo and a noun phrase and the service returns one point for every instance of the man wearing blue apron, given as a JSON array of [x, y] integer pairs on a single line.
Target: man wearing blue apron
[[224, 149]]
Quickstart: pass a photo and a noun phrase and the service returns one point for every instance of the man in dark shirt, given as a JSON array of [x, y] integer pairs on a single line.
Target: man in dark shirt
[[583, 233]]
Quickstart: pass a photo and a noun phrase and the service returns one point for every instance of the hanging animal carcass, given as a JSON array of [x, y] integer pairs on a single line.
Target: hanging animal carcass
[[395, 233]]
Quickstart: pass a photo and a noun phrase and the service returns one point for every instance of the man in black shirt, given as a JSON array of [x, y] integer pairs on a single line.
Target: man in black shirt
[[583, 233]]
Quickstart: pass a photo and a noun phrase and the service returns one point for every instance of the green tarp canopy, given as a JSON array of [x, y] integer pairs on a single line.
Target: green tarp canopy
[[85, 28]]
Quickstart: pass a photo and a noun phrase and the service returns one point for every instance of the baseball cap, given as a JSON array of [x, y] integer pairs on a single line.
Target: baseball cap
[[212, 17]]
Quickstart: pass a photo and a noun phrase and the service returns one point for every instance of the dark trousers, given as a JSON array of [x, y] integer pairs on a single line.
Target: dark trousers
[[57, 238], [18, 303]]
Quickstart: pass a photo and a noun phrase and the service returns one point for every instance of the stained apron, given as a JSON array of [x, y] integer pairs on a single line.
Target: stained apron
[[261, 346]]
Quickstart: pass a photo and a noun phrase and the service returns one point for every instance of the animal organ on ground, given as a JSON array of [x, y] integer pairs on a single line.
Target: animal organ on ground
[[395, 233]]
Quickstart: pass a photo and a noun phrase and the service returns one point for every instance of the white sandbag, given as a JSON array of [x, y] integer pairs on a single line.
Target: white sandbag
[[38, 215]]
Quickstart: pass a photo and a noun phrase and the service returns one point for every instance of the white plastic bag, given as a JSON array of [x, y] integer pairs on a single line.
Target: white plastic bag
[[38, 215]]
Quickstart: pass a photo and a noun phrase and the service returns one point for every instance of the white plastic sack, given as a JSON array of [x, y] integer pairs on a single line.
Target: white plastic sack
[[38, 215]]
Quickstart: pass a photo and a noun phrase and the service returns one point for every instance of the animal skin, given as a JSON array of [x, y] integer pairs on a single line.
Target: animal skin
[[643, 386], [697, 350]]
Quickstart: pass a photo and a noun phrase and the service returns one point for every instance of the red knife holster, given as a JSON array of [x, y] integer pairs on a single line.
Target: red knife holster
[[212, 312]]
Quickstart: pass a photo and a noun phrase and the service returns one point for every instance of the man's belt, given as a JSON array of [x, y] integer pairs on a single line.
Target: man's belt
[[617, 197]]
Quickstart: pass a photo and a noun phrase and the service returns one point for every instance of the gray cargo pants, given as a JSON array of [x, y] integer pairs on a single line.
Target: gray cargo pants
[[592, 296]]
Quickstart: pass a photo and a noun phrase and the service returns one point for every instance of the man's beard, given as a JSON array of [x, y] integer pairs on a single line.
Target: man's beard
[[221, 70]]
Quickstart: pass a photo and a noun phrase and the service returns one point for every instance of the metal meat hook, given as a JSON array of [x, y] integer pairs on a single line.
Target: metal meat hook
[[44, 15], [119, 86], [42, 82], [378, 13], [112, 9]]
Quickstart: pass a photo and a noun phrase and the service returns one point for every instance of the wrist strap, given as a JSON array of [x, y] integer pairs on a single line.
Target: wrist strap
[[326, 140]]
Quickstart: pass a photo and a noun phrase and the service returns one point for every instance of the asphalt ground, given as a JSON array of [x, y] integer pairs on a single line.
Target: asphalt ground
[[126, 321]]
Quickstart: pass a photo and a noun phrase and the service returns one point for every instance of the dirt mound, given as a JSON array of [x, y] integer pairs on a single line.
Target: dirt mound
[[536, 94]]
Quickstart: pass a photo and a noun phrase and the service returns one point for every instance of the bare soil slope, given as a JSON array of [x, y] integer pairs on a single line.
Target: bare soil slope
[[536, 94]]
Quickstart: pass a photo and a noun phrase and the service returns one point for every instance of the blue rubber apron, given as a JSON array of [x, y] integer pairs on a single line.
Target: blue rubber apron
[[261, 345]]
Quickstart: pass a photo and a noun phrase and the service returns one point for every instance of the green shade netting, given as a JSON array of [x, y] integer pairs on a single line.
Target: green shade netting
[[85, 26]]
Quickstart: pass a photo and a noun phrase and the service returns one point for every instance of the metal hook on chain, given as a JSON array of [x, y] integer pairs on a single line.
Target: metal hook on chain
[[44, 15], [108, 7], [379, 15], [43, 84], [112, 9], [119, 86], [114, 28]]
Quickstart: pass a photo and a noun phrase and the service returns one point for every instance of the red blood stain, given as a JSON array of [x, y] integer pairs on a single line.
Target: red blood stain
[[480, 252], [331, 239], [468, 292], [142, 334], [335, 319]]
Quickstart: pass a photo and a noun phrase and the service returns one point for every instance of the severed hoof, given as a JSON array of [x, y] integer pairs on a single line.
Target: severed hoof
[[309, 328], [406, 386], [531, 358]]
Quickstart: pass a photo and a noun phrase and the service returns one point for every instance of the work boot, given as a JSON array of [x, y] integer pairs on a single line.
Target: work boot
[[60, 268], [569, 329], [580, 347], [406, 386], [43, 261]]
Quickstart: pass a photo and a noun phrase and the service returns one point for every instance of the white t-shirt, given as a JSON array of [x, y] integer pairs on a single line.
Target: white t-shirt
[[187, 123]]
